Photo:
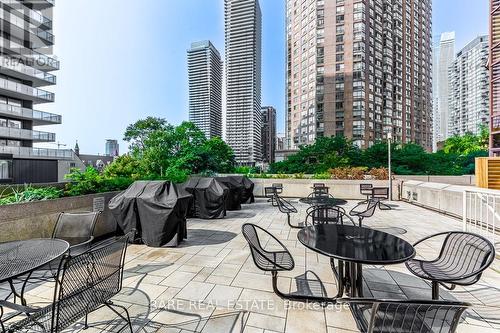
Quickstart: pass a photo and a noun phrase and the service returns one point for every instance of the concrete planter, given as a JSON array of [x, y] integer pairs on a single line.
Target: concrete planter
[[36, 219], [345, 189]]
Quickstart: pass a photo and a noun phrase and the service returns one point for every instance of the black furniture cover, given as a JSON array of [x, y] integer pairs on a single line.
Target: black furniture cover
[[209, 196], [156, 209], [247, 195], [235, 195]]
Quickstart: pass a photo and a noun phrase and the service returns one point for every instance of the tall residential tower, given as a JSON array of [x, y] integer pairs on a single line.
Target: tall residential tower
[[26, 43], [359, 69], [443, 56], [243, 25], [469, 89], [205, 88], [268, 134]]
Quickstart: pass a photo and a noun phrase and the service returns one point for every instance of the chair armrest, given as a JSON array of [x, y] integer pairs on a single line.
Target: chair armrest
[[431, 236], [401, 301], [17, 307], [82, 247]]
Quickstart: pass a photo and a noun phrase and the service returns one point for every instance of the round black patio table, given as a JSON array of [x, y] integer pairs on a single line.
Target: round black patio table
[[323, 201], [20, 258], [354, 246]]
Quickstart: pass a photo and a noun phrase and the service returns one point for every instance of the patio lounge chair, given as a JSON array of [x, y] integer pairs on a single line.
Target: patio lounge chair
[[286, 208], [274, 261], [327, 215], [364, 210], [84, 284], [462, 259], [405, 316]]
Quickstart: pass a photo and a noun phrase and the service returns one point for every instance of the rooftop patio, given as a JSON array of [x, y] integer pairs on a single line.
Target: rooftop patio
[[210, 283]]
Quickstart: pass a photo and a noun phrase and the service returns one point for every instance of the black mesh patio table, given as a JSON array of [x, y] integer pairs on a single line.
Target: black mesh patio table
[[22, 257], [323, 201], [354, 246]]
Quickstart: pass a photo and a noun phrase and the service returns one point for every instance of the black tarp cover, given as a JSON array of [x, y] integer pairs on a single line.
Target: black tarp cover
[[236, 189], [209, 197], [247, 195], [156, 209]]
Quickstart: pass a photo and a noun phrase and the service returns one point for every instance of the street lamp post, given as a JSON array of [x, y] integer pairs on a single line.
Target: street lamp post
[[389, 139]]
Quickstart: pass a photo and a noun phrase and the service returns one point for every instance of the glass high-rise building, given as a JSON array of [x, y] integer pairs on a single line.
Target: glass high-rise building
[[205, 88], [268, 134], [112, 148], [359, 69], [469, 89], [243, 29]]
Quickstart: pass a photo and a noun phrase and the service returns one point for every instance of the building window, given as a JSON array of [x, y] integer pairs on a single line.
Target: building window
[[5, 169]]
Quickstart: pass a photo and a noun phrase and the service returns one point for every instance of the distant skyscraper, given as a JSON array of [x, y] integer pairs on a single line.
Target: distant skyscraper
[[469, 89], [444, 54], [494, 67], [268, 134], [205, 88], [243, 79], [359, 69], [112, 148]]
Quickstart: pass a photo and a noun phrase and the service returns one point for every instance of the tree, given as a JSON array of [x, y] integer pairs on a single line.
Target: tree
[[468, 143], [139, 131]]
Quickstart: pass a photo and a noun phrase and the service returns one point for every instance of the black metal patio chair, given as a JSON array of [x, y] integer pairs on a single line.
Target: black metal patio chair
[[84, 284], [269, 194], [279, 260], [320, 191], [287, 208], [318, 185], [327, 215], [366, 190], [278, 187], [380, 194], [364, 209], [406, 316], [77, 229], [461, 261]]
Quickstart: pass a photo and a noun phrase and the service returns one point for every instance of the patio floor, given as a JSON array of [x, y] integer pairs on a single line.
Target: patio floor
[[210, 283]]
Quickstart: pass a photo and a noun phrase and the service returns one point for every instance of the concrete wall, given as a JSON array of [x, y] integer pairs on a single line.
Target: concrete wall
[[298, 188], [451, 180], [37, 219]]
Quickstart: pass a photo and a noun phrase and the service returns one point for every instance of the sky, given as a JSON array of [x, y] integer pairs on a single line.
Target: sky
[[124, 60]]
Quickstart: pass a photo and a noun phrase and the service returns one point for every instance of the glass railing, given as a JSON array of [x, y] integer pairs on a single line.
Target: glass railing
[[26, 11], [22, 24], [46, 116], [38, 58], [25, 134], [18, 66], [44, 136], [26, 90], [37, 152], [17, 111]]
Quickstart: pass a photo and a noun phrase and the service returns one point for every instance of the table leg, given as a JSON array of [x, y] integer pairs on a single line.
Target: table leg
[[352, 276], [359, 279], [340, 276]]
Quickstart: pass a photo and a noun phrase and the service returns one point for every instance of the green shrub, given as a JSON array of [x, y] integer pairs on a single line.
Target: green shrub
[[323, 175], [29, 194]]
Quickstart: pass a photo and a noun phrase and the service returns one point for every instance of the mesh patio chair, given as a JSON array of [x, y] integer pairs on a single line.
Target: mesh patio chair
[[84, 284], [327, 215], [366, 190], [406, 316], [364, 210], [286, 208], [379, 194], [77, 229], [278, 187], [279, 259], [462, 259], [320, 191], [269, 194], [318, 185]]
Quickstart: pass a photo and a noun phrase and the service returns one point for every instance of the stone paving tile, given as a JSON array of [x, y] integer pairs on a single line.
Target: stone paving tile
[[175, 289]]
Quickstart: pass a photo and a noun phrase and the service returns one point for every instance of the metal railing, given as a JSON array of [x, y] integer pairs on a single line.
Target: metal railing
[[481, 215], [28, 152]]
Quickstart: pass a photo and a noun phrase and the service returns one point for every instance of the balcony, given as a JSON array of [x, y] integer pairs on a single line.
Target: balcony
[[30, 57], [38, 117], [39, 4], [18, 27], [38, 153], [16, 68], [25, 134], [29, 14], [22, 91]]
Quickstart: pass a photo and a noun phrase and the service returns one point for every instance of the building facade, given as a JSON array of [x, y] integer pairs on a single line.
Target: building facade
[[268, 134], [443, 57], [26, 43], [112, 148], [494, 72], [243, 29], [205, 88], [359, 69], [469, 89]]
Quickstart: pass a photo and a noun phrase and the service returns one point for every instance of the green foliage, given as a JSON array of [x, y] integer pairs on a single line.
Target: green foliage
[[323, 175], [468, 143], [91, 181], [30, 193], [125, 166]]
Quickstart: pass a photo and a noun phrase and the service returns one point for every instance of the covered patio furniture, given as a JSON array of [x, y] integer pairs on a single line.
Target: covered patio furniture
[[156, 209], [235, 192], [405, 316], [248, 186], [209, 197], [463, 258], [84, 284], [287, 208], [309, 286]]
